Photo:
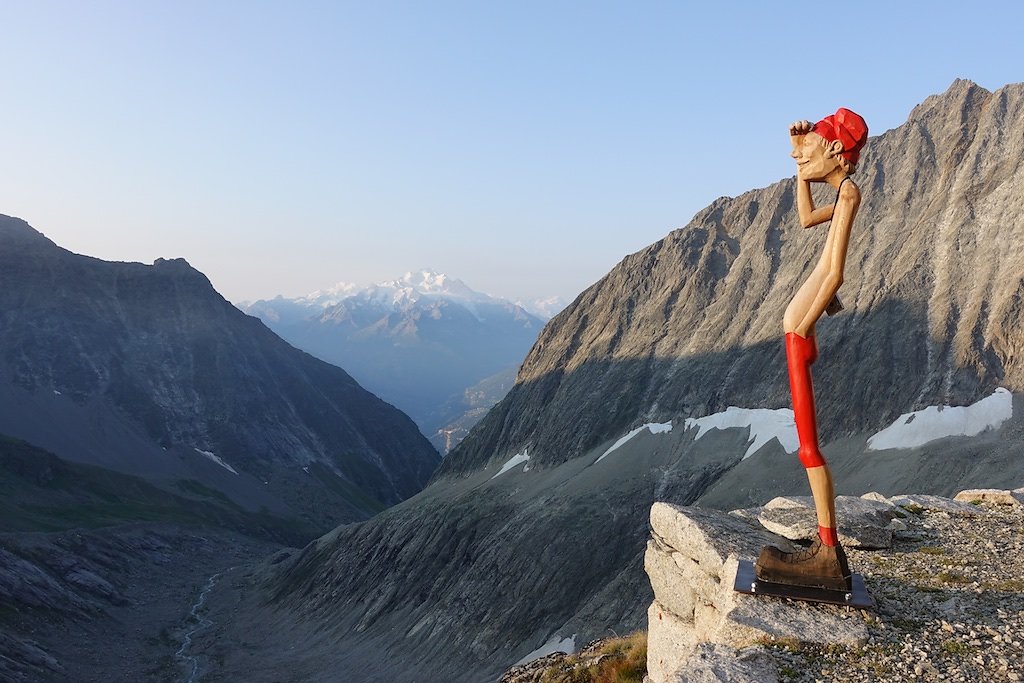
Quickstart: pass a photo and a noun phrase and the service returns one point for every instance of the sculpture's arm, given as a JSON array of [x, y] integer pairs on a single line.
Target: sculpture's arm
[[845, 211], [810, 216]]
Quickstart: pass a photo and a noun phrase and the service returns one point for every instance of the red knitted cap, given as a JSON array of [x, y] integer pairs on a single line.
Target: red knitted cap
[[849, 128]]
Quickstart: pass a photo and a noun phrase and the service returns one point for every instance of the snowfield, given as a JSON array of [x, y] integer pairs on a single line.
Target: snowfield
[[764, 424], [566, 645], [217, 460], [656, 428], [911, 430], [514, 461]]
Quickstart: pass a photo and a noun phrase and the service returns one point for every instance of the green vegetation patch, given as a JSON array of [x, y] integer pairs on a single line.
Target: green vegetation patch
[[1014, 585], [954, 648], [952, 577]]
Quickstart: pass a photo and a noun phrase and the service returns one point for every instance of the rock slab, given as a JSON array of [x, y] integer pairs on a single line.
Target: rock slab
[[698, 624], [723, 664], [936, 504], [863, 522], [995, 496]]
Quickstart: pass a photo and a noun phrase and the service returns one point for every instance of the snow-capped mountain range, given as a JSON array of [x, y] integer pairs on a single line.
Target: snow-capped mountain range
[[419, 341], [411, 287]]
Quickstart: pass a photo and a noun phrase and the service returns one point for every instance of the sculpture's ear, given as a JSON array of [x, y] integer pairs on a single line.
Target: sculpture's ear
[[835, 148]]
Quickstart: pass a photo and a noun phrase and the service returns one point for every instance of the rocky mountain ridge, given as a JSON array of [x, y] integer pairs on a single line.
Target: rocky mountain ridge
[[934, 292], [147, 370]]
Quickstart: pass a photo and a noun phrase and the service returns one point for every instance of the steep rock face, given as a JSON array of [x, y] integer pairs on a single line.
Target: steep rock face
[[934, 292], [154, 351], [484, 567]]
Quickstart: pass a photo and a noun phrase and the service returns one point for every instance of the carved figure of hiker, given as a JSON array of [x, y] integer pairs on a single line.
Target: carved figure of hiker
[[825, 152]]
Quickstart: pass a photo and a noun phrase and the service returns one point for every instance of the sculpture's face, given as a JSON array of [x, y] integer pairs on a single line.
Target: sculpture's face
[[815, 158]]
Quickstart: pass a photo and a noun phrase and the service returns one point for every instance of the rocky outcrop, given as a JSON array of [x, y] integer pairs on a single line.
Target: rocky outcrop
[[950, 590], [148, 370], [997, 496], [692, 324], [692, 559], [866, 523]]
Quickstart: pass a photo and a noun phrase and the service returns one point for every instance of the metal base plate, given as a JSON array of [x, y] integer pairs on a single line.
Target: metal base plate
[[747, 582]]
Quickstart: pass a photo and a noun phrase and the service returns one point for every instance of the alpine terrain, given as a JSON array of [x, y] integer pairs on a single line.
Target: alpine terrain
[[146, 370], [152, 436], [421, 342], [666, 381]]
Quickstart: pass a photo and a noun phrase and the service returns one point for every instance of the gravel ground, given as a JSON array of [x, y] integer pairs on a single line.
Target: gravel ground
[[143, 580], [950, 598]]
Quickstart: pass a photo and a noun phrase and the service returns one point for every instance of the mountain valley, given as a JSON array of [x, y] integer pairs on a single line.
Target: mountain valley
[[664, 381], [422, 342]]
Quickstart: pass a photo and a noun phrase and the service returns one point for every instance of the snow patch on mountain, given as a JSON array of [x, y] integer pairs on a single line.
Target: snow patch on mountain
[[512, 462], [566, 645], [216, 459], [911, 430], [656, 428], [764, 425]]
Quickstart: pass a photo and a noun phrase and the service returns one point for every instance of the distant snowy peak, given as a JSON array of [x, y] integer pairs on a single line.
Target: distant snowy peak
[[423, 284], [415, 291], [323, 298], [545, 309], [431, 282]]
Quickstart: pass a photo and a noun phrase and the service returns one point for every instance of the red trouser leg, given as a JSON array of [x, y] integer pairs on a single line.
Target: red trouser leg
[[800, 354]]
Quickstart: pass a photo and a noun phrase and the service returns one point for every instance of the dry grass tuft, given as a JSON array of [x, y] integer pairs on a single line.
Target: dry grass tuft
[[627, 662], [615, 660]]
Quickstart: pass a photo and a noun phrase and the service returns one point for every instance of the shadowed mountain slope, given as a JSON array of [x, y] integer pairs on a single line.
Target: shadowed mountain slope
[[147, 370]]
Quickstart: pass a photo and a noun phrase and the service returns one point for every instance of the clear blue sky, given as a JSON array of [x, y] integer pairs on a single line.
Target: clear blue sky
[[524, 147]]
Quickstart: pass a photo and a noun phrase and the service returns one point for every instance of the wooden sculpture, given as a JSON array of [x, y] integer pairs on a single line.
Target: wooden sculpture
[[826, 152]]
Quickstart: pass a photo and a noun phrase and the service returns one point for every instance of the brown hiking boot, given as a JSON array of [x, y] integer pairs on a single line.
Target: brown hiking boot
[[820, 566]]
